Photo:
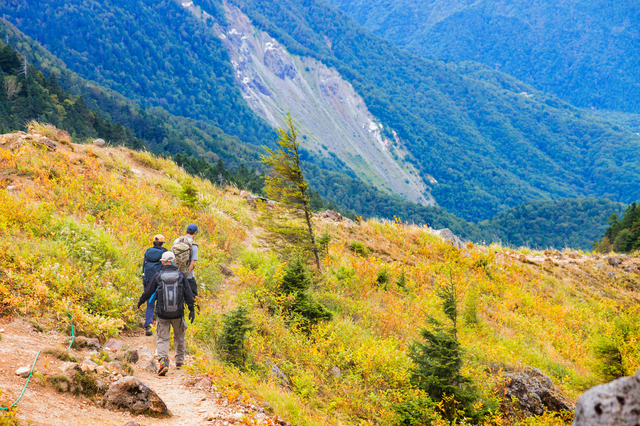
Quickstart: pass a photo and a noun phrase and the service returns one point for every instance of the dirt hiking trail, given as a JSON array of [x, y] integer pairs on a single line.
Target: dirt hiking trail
[[43, 405]]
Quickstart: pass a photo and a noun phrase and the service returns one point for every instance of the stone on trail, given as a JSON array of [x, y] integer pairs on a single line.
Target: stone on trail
[[149, 364], [131, 394], [88, 365], [131, 423], [113, 345], [23, 372], [132, 356], [614, 403], [204, 384]]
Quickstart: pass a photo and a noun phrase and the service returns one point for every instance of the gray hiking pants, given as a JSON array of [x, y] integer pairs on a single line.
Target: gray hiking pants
[[163, 337]]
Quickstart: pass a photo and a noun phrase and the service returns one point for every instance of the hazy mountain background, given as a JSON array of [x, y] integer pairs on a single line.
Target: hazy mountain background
[[584, 52], [479, 141]]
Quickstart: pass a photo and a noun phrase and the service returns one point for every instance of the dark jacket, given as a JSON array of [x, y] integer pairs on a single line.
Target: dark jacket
[[156, 282], [151, 264]]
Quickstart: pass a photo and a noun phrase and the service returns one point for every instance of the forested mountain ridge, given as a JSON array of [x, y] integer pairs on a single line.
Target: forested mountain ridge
[[490, 141], [584, 52]]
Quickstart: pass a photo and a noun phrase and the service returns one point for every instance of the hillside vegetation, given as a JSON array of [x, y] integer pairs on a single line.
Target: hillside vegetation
[[583, 52], [490, 141], [74, 223]]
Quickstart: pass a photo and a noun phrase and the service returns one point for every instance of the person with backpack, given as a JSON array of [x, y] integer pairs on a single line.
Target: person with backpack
[[150, 266], [172, 291], [186, 251]]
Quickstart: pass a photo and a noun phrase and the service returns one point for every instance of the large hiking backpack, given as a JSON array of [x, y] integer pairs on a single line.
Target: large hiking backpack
[[151, 263], [182, 249], [170, 295]]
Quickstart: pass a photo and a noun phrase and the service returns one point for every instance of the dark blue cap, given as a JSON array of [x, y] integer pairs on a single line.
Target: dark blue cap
[[192, 229]]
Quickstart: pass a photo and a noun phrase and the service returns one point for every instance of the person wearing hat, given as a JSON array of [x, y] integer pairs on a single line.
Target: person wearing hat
[[172, 292], [192, 231], [150, 266]]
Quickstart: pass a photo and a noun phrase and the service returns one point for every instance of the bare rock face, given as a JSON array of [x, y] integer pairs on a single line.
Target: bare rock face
[[532, 393], [131, 394], [12, 140], [616, 403], [277, 60]]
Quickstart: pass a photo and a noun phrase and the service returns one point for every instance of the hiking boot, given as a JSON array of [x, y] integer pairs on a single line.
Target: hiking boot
[[148, 332], [179, 365], [164, 366]]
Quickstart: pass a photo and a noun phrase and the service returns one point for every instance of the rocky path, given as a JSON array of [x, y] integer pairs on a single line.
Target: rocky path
[[190, 400]]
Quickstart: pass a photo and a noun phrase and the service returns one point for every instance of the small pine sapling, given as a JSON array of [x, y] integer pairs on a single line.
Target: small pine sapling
[[438, 362], [295, 283], [234, 332]]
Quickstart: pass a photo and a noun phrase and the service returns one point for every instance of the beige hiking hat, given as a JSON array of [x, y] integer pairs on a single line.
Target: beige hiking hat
[[158, 238], [168, 256]]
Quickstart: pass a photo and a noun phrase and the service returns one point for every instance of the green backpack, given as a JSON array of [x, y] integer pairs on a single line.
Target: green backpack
[[182, 250]]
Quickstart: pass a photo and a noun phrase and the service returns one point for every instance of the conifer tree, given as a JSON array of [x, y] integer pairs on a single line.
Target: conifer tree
[[296, 282], [438, 361], [286, 185]]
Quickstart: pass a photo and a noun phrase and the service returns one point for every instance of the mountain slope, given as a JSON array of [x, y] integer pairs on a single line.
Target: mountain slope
[[489, 141], [74, 226], [584, 52]]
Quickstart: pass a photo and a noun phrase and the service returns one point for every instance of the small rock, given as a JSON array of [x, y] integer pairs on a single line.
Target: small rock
[[51, 145], [102, 386], [131, 394], [100, 369], [88, 365], [204, 384], [335, 372], [276, 372], [145, 352], [99, 143], [113, 345], [235, 417], [149, 364], [52, 333], [227, 272], [210, 416], [614, 261], [23, 372], [611, 274], [132, 356], [131, 423]]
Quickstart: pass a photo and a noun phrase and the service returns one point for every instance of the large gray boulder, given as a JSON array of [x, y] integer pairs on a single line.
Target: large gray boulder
[[616, 403], [531, 393], [131, 394]]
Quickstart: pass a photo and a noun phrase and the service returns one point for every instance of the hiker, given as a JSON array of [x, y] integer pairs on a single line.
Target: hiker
[[186, 251], [150, 266], [172, 291]]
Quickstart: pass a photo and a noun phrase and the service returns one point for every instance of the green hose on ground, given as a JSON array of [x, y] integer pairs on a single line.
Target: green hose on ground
[[73, 337]]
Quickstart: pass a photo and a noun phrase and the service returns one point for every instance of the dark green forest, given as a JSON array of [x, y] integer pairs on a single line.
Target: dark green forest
[[622, 235], [561, 224], [491, 141], [583, 52], [154, 53]]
